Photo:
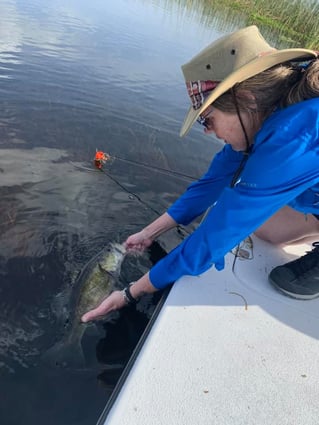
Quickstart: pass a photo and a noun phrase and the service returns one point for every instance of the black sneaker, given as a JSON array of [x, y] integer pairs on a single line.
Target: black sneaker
[[299, 278]]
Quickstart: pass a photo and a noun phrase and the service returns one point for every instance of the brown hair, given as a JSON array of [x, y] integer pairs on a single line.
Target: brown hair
[[281, 85]]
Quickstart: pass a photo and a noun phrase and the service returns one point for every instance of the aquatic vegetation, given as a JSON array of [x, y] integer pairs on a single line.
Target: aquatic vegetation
[[286, 22], [295, 21]]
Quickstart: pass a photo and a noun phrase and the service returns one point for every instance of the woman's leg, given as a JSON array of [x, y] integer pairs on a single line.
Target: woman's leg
[[298, 278], [289, 226]]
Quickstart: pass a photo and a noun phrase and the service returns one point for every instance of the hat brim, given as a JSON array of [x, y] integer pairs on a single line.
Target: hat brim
[[254, 67]]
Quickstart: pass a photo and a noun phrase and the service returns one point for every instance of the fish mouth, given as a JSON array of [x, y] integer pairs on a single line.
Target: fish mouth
[[120, 248], [111, 259]]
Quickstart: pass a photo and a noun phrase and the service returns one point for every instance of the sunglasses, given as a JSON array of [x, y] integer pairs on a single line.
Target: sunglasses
[[204, 119]]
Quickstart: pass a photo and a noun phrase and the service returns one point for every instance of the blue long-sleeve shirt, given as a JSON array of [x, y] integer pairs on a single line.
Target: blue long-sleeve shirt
[[282, 169]]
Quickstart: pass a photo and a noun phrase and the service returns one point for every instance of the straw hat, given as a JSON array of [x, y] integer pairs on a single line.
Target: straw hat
[[230, 60]]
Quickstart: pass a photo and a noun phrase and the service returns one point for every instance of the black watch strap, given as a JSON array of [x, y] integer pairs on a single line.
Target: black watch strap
[[130, 300]]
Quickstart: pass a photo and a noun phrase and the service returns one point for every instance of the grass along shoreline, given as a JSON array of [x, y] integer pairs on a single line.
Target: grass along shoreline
[[296, 21]]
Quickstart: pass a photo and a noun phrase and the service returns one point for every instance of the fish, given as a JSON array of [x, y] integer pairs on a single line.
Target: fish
[[97, 280]]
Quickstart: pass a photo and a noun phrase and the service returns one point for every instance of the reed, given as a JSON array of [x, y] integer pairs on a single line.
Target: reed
[[288, 23], [297, 22]]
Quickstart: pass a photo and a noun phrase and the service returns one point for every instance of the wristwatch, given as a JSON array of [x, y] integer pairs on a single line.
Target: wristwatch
[[128, 297]]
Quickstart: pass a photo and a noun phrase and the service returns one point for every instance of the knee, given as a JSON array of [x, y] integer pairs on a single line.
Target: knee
[[267, 236]]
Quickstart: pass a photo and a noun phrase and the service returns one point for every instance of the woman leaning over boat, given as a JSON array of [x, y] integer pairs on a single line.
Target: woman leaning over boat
[[264, 103]]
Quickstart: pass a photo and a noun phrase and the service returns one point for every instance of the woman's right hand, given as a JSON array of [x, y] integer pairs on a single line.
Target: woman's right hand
[[138, 241], [113, 302], [117, 300]]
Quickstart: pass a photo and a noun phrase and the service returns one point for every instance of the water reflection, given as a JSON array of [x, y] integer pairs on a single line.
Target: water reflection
[[203, 13], [10, 40]]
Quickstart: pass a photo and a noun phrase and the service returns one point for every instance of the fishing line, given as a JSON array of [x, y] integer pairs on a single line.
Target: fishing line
[[119, 184], [179, 228], [101, 158], [153, 167], [130, 192]]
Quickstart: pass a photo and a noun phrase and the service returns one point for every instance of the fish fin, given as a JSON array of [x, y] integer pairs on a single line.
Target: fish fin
[[59, 305], [92, 330], [67, 353]]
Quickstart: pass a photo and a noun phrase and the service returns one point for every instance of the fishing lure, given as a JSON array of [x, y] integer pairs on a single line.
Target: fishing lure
[[100, 159]]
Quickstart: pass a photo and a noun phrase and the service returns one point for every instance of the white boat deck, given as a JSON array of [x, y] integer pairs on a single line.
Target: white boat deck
[[227, 348]]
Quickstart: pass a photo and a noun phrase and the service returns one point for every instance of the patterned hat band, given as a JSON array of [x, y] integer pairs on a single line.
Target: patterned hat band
[[199, 90]]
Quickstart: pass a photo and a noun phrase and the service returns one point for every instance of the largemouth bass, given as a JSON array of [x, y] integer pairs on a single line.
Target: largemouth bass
[[97, 280]]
